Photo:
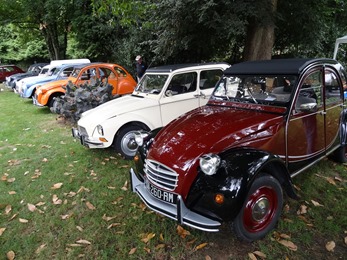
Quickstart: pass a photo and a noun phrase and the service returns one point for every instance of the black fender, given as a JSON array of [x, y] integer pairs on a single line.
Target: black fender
[[234, 178]]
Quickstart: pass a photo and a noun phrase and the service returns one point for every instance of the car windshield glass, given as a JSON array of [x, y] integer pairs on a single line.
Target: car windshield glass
[[152, 84], [259, 89], [75, 72]]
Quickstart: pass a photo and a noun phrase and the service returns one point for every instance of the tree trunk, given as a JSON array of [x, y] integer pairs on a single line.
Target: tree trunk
[[56, 50], [260, 37]]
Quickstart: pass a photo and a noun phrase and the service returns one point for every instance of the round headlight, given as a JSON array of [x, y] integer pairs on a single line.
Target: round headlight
[[100, 129], [209, 163]]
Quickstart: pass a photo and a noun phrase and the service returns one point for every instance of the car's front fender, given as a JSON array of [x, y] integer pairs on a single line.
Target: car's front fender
[[233, 180]]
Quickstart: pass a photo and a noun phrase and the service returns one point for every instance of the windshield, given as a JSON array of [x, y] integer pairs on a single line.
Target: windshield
[[151, 83], [264, 89]]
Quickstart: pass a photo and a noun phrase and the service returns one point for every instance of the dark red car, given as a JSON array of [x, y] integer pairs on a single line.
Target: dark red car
[[8, 70], [231, 160]]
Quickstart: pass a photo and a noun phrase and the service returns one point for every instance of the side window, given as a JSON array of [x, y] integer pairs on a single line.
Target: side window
[[182, 83], [120, 72], [67, 72], [310, 91], [332, 88], [209, 78]]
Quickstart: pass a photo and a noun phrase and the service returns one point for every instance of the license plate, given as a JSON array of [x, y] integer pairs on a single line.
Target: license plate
[[161, 194]]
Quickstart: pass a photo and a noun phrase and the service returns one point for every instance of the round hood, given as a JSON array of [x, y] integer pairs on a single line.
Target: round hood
[[210, 129], [116, 107]]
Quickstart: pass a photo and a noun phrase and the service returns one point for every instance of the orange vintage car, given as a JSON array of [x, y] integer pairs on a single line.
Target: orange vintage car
[[117, 76]]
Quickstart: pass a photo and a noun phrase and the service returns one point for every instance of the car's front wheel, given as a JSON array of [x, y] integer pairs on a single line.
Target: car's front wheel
[[340, 155], [125, 141], [261, 209]]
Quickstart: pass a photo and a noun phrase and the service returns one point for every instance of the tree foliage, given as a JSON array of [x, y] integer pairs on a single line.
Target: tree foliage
[[170, 31]]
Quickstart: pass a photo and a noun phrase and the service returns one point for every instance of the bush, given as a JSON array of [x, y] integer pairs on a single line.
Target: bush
[[78, 99]]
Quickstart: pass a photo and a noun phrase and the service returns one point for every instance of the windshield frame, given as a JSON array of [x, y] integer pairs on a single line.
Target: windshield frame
[[265, 89]]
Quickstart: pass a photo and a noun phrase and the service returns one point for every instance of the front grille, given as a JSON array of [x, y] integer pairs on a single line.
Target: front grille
[[160, 175]]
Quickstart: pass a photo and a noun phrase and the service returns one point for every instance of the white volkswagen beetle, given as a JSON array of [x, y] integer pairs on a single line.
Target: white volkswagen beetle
[[163, 94]]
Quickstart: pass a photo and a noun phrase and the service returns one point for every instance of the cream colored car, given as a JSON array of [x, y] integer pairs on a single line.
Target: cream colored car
[[163, 94]]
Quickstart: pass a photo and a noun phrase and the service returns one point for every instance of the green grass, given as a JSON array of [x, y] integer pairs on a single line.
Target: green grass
[[94, 215]]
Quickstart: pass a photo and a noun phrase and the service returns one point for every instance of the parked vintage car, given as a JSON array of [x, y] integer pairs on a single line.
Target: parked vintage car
[[229, 161], [163, 94], [8, 70], [61, 72], [47, 71], [33, 70], [122, 82]]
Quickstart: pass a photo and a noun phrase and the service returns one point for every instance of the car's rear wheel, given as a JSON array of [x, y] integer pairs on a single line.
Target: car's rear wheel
[[261, 209], [125, 141]]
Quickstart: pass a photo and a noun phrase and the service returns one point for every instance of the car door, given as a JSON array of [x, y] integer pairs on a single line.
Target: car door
[[180, 96], [207, 82], [333, 106], [305, 129]]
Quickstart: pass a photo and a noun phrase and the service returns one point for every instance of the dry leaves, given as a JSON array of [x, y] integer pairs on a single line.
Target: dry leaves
[[2, 230], [200, 246], [182, 232], [10, 255], [330, 246], [90, 206], [57, 186], [147, 237]]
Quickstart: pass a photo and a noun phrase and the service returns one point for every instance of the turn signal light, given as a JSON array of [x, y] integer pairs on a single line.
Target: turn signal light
[[102, 139], [219, 198]]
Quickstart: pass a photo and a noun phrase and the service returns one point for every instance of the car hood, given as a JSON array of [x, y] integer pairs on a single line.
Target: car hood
[[116, 107], [38, 80], [210, 129]]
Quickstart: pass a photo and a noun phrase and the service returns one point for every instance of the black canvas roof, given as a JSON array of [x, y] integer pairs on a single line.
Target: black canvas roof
[[170, 68], [275, 66]]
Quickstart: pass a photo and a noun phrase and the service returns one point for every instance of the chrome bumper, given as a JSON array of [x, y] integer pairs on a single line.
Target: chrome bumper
[[178, 211], [36, 103]]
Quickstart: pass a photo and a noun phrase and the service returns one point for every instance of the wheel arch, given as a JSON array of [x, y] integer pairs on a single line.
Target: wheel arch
[[52, 96]]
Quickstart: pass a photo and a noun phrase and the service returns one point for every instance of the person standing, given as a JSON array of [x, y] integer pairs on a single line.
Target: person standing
[[140, 67]]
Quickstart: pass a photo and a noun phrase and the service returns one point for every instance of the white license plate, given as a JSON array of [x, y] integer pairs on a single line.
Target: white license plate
[[161, 194]]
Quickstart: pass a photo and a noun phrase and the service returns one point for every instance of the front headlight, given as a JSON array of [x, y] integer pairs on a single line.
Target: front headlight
[[100, 129], [209, 163], [140, 136]]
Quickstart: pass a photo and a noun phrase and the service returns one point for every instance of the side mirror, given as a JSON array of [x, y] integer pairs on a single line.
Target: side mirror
[[308, 107]]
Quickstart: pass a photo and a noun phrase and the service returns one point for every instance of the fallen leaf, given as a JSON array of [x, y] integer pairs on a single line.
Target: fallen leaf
[[40, 248], [260, 254], [56, 200], [45, 160], [31, 207], [14, 215], [79, 228], [74, 245], [317, 204], [290, 245], [147, 250], [90, 205], [159, 246], [207, 257], [23, 220], [182, 232], [302, 210], [147, 237], [83, 241], [8, 209], [2, 230], [132, 251], [252, 256], [330, 246], [57, 186], [12, 192], [200, 246], [10, 180], [113, 225], [10, 255], [346, 240], [104, 217], [125, 186]]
